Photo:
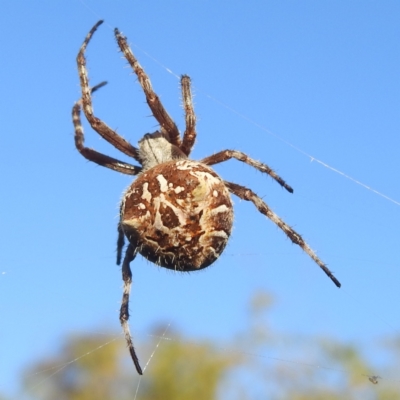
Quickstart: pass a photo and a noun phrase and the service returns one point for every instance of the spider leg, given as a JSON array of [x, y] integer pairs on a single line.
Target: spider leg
[[247, 194], [228, 154], [189, 135], [120, 244], [93, 155], [98, 125], [124, 311], [158, 110]]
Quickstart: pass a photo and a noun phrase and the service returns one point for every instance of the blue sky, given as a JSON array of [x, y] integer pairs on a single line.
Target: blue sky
[[318, 76]]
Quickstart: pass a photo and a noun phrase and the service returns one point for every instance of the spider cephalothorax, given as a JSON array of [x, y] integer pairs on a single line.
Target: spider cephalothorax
[[178, 212]]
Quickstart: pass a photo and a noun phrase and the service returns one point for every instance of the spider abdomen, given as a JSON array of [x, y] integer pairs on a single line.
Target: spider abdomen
[[179, 213]]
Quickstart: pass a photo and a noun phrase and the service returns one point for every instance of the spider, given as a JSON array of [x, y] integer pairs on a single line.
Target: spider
[[178, 212]]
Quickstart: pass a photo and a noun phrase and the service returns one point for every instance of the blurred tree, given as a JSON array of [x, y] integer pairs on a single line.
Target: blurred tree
[[88, 367], [268, 365], [187, 370]]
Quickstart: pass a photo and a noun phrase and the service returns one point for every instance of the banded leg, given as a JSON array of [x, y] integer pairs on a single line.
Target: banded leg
[[124, 311], [93, 155], [228, 154], [160, 114], [247, 194], [98, 125], [189, 135]]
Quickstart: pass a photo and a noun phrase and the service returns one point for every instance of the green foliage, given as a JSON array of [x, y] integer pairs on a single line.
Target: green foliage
[[98, 367], [184, 370], [87, 368]]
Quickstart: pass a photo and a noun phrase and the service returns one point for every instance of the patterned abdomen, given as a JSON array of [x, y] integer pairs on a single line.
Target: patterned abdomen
[[179, 214]]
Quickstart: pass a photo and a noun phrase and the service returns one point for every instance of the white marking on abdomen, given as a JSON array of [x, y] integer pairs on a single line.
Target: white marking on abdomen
[[218, 233], [220, 209], [163, 183], [146, 194]]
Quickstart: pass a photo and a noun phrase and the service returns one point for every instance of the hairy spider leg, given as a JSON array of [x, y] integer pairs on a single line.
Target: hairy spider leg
[[238, 155], [247, 194], [98, 125], [120, 243], [93, 155], [124, 311], [160, 114], [189, 135]]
